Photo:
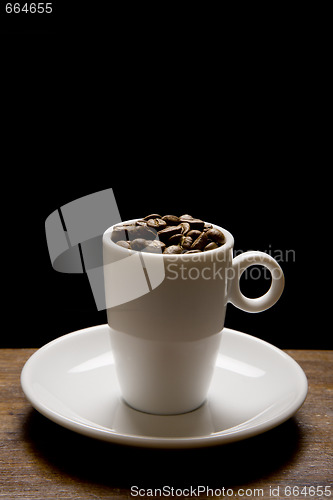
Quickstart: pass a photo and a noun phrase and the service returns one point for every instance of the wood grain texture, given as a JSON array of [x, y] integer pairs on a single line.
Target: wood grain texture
[[40, 460]]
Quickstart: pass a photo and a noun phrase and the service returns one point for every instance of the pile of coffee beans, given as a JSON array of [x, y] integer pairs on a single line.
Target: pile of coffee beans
[[168, 234]]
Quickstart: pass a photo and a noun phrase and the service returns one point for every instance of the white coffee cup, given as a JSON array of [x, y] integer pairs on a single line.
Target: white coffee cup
[[166, 316]]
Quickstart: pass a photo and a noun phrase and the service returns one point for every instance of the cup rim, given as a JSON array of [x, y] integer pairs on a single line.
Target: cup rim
[[185, 256]]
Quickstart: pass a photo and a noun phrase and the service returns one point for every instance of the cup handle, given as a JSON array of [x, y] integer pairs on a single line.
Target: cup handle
[[242, 262]]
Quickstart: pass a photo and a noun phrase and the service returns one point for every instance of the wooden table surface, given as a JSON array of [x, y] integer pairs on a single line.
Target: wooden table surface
[[40, 460]]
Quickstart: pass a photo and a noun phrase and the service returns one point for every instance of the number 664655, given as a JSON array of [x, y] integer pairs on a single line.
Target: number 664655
[[33, 8]]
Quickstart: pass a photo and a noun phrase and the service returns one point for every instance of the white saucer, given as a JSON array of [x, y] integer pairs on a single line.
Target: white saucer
[[255, 387]]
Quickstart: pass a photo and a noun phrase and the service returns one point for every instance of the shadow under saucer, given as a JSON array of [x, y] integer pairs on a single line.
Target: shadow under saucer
[[118, 466]]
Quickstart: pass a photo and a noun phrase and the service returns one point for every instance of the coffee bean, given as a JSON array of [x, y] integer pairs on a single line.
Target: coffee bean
[[211, 246], [194, 234], [200, 242], [118, 234], [157, 224], [152, 216], [138, 244], [186, 242], [124, 244], [173, 249], [145, 232], [168, 234], [175, 239], [155, 246], [171, 220], [185, 227], [196, 224], [169, 231], [216, 235], [132, 231]]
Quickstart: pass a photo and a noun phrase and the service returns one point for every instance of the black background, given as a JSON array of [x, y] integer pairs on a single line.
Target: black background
[[205, 121]]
